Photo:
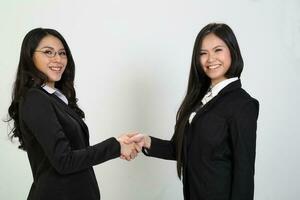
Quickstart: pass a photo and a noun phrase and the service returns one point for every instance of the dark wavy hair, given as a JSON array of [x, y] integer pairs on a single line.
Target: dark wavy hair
[[199, 83], [29, 76]]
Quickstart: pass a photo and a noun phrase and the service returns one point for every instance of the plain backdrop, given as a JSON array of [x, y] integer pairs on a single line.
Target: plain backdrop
[[132, 62]]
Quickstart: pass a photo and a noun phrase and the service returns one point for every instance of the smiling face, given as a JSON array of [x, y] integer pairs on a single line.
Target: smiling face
[[50, 58], [215, 58]]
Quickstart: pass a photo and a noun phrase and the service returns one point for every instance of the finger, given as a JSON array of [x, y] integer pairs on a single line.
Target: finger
[[138, 148], [141, 144], [127, 141], [133, 154], [123, 137], [132, 134], [124, 156], [128, 158], [137, 138]]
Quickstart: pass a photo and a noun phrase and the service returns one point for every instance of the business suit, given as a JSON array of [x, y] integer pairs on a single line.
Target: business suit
[[218, 148], [57, 143]]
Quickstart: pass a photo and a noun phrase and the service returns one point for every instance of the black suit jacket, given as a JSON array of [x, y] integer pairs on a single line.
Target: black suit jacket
[[219, 148], [57, 142]]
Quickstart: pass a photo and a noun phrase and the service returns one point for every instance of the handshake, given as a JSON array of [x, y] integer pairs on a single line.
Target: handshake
[[132, 143]]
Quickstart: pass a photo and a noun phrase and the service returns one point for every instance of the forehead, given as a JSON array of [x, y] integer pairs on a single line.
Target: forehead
[[50, 41], [211, 40]]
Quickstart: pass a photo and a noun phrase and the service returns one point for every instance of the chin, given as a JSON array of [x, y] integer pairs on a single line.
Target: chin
[[55, 79]]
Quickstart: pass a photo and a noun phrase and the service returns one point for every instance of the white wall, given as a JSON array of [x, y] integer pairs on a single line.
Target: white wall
[[132, 60]]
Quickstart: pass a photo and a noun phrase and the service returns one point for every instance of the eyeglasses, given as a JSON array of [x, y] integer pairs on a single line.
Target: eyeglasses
[[50, 53]]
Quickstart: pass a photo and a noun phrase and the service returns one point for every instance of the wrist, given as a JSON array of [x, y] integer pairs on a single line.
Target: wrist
[[147, 141]]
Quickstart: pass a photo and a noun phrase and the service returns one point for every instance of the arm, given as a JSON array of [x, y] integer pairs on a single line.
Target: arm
[[156, 147], [243, 135], [40, 118]]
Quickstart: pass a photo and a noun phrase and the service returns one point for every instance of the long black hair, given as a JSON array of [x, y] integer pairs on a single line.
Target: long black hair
[[199, 83], [29, 76]]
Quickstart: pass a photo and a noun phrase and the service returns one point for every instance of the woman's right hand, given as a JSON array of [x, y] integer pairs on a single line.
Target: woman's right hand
[[142, 140], [129, 149]]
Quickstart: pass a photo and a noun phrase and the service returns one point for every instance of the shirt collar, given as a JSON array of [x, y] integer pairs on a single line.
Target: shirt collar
[[49, 89], [217, 88], [56, 92]]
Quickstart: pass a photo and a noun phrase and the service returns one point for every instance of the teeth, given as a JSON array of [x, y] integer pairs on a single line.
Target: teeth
[[213, 66], [55, 68]]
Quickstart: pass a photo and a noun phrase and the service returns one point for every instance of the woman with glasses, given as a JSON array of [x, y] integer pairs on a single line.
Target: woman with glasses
[[215, 131], [49, 124]]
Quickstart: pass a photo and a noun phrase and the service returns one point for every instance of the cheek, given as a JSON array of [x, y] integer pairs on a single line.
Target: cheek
[[65, 62], [65, 65], [227, 59], [202, 60], [39, 64]]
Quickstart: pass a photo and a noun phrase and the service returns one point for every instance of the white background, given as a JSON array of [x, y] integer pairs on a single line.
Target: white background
[[132, 60]]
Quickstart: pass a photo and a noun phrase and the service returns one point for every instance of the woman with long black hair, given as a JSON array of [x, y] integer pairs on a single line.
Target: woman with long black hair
[[215, 132], [49, 124]]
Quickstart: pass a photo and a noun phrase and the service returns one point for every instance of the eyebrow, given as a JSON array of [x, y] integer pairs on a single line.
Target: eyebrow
[[213, 47], [48, 47]]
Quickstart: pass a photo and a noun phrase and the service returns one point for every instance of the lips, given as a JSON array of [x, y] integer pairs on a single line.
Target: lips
[[56, 68], [213, 66]]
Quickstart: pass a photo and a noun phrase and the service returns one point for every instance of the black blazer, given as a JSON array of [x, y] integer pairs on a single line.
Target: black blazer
[[57, 142], [219, 148]]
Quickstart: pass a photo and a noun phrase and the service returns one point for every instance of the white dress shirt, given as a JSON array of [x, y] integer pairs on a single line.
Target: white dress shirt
[[212, 92], [56, 92]]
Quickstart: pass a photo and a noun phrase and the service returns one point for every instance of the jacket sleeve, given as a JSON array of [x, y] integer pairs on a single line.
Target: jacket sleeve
[[40, 118], [243, 134], [164, 149]]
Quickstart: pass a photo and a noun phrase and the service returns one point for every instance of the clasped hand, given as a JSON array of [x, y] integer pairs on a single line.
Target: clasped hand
[[131, 144]]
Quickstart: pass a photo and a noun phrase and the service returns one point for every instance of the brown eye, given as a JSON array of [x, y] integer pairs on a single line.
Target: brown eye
[[62, 53], [48, 52]]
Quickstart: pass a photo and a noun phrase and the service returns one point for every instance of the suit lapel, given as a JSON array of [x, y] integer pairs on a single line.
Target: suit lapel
[[229, 88], [72, 113]]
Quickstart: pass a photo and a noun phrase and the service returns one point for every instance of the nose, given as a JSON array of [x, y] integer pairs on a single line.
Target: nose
[[211, 57], [57, 57]]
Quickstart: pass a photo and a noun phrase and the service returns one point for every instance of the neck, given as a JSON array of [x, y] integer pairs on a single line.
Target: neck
[[215, 82], [51, 84]]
